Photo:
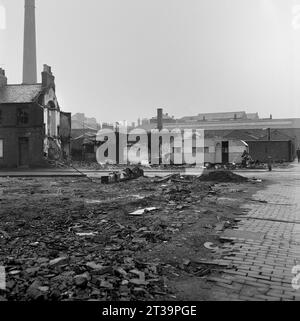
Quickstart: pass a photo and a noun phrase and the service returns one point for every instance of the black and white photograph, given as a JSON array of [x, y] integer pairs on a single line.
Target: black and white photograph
[[149, 153]]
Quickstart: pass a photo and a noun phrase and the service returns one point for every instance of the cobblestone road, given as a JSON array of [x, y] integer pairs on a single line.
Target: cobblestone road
[[265, 244]]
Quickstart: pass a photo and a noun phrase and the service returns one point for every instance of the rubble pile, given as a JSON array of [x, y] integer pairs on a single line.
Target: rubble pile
[[223, 176]]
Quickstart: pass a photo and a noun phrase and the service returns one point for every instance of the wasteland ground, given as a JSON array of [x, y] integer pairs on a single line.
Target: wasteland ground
[[74, 239]]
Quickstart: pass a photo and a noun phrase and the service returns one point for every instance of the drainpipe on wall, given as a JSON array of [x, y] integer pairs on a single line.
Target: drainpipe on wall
[[269, 134], [270, 160], [160, 127]]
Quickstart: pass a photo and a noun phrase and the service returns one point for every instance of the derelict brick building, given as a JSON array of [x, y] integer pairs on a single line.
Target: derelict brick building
[[33, 129], [31, 123]]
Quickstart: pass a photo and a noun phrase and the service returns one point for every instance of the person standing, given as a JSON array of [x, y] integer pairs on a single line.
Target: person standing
[[270, 162], [298, 154]]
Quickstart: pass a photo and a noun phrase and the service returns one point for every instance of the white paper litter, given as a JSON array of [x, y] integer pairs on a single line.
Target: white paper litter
[[87, 234], [143, 211]]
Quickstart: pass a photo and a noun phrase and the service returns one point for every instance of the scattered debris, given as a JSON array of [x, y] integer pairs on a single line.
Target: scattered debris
[[87, 234], [210, 246], [186, 262], [93, 201], [218, 263], [202, 272], [221, 226], [233, 190], [59, 261], [14, 272], [165, 179], [134, 173], [81, 281], [143, 211], [4, 234], [121, 176], [111, 178], [254, 180], [99, 269], [256, 200], [34, 292]]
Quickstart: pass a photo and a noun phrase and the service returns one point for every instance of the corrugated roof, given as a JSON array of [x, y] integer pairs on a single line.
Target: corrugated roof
[[13, 94]]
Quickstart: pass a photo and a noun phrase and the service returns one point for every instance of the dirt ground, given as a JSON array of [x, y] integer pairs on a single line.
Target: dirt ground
[[73, 239]]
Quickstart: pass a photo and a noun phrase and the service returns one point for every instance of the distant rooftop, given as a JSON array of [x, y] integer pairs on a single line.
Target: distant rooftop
[[253, 116], [80, 121], [217, 116]]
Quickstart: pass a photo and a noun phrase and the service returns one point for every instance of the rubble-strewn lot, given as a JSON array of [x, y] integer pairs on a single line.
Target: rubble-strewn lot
[[73, 239]]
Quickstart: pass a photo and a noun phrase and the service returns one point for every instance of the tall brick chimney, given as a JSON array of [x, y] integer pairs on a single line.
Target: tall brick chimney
[[3, 79], [29, 53], [160, 119]]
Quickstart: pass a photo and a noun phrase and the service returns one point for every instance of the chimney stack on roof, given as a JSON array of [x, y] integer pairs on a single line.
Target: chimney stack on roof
[[47, 77], [3, 79]]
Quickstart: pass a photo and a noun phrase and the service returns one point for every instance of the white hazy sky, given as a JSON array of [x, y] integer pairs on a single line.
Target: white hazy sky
[[121, 59]]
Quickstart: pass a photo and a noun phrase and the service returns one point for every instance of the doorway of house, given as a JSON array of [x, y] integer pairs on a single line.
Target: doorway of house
[[23, 152], [225, 152]]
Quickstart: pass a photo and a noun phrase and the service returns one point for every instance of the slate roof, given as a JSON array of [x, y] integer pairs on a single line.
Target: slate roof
[[14, 94]]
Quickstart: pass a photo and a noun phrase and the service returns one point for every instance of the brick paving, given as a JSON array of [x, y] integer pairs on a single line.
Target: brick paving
[[265, 244]]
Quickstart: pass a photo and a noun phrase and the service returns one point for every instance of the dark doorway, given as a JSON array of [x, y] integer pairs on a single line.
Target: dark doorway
[[225, 152], [23, 152]]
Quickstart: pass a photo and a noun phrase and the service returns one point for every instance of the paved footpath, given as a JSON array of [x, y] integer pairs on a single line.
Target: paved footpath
[[265, 244]]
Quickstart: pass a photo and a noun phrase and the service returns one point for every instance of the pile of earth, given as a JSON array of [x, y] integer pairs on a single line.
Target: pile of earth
[[223, 177]]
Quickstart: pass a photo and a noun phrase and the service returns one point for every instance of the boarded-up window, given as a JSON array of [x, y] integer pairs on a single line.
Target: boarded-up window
[[1, 148]]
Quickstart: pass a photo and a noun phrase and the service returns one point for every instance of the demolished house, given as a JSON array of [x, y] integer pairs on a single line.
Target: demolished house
[[33, 129]]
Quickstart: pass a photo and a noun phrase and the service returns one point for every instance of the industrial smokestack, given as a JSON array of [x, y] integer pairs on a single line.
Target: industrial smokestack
[[160, 119], [29, 53]]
